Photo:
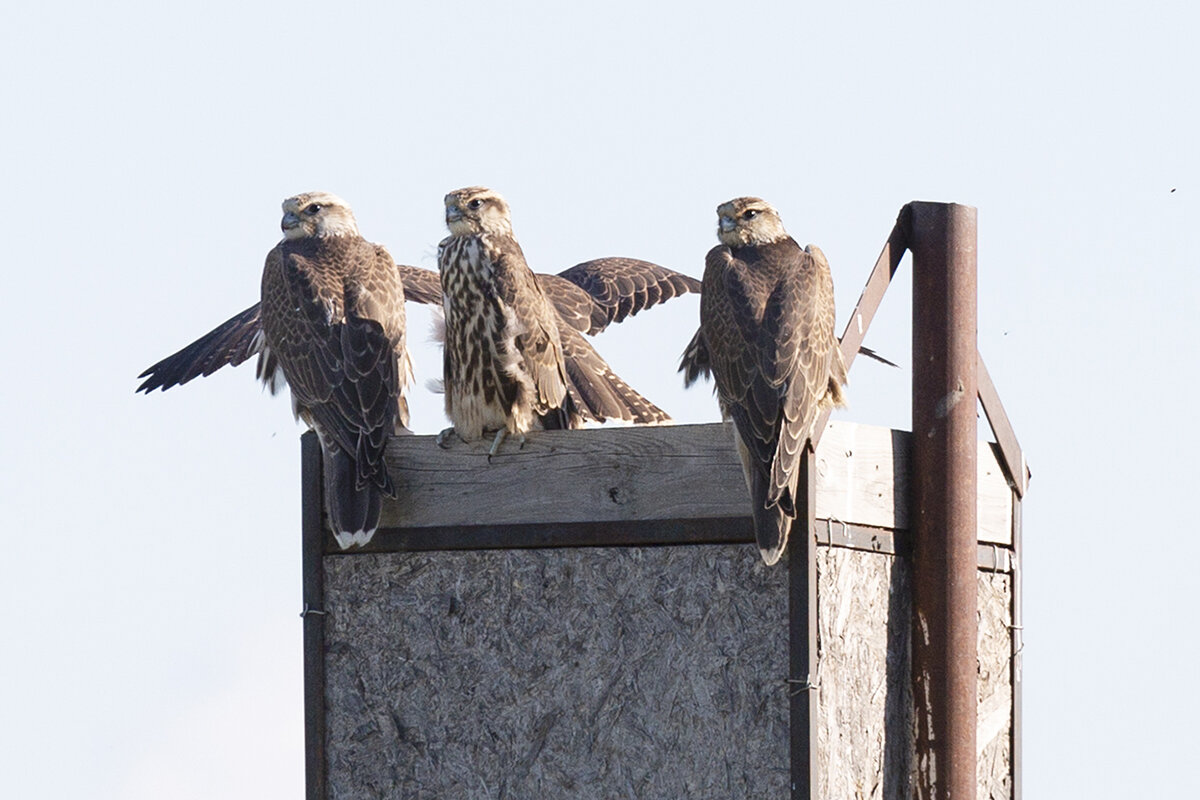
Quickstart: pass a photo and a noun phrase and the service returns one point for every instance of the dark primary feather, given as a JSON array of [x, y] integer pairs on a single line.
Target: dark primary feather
[[598, 392], [231, 342], [613, 288], [584, 296]]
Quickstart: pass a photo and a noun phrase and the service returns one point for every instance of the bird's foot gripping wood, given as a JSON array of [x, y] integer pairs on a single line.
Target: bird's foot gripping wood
[[501, 435], [443, 438]]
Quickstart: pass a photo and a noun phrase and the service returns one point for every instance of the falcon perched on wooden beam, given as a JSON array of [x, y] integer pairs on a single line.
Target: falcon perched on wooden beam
[[333, 324], [503, 368], [588, 297], [766, 333]]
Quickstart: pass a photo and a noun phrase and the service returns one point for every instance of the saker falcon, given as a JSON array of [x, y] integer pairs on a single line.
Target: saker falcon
[[509, 365], [766, 333], [586, 297], [333, 324], [503, 368]]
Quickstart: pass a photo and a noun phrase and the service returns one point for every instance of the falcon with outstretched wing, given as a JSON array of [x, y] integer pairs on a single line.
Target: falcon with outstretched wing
[[587, 298], [333, 324], [767, 336]]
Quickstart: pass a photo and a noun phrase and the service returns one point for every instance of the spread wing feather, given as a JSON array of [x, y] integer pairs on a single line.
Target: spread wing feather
[[586, 298], [599, 393], [617, 288], [231, 342]]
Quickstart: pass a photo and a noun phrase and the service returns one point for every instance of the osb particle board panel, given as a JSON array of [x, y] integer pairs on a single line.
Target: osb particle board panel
[[865, 721], [993, 738], [627, 672], [582, 673]]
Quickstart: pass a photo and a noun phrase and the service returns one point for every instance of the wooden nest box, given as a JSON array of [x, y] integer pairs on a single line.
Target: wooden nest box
[[588, 617]]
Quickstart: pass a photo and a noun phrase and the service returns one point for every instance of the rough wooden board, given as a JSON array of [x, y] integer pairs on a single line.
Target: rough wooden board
[[862, 478], [582, 673], [677, 472]]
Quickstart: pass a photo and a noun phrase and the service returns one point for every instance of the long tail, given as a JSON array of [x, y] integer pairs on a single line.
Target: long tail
[[772, 525], [353, 510]]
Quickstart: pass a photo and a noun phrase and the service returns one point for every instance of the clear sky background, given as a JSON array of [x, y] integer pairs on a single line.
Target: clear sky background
[[151, 579]]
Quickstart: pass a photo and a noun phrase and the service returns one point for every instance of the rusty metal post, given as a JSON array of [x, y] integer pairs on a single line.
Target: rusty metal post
[[942, 241]]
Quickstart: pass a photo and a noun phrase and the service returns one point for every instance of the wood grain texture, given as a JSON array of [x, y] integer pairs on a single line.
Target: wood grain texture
[[640, 474]]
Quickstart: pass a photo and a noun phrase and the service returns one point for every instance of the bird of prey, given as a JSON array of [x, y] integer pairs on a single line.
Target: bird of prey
[[241, 336], [333, 325], [503, 367], [766, 335], [587, 298]]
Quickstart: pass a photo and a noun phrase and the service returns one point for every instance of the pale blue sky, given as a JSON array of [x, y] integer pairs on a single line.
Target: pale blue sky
[[151, 584]]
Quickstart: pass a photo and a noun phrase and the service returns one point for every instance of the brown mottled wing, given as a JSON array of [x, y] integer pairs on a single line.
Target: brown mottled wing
[[231, 342], [801, 326], [694, 362], [240, 337], [599, 393], [730, 328], [333, 315], [538, 342], [421, 285], [768, 326], [591, 295]]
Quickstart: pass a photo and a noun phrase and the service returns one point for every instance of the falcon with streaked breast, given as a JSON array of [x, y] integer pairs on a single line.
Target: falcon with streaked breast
[[503, 369], [586, 298], [333, 324], [767, 336]]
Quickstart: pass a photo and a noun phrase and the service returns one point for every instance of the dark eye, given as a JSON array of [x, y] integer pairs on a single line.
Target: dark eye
[[313, 210], [750, 213], [475, 204]]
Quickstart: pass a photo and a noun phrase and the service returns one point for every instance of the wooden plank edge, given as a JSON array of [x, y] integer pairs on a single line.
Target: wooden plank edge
[[654, 533], [313, 545]]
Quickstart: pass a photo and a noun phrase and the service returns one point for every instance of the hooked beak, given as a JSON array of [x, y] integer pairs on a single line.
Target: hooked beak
[[453, 214], [727, 224], [289, 221]]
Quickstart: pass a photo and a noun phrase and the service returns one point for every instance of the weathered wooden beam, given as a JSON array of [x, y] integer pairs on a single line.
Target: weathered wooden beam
[[679, 483], [868, 302]]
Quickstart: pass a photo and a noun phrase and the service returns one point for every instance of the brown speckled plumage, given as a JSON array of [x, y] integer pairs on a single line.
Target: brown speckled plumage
[[334, 323], [767, 336]]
